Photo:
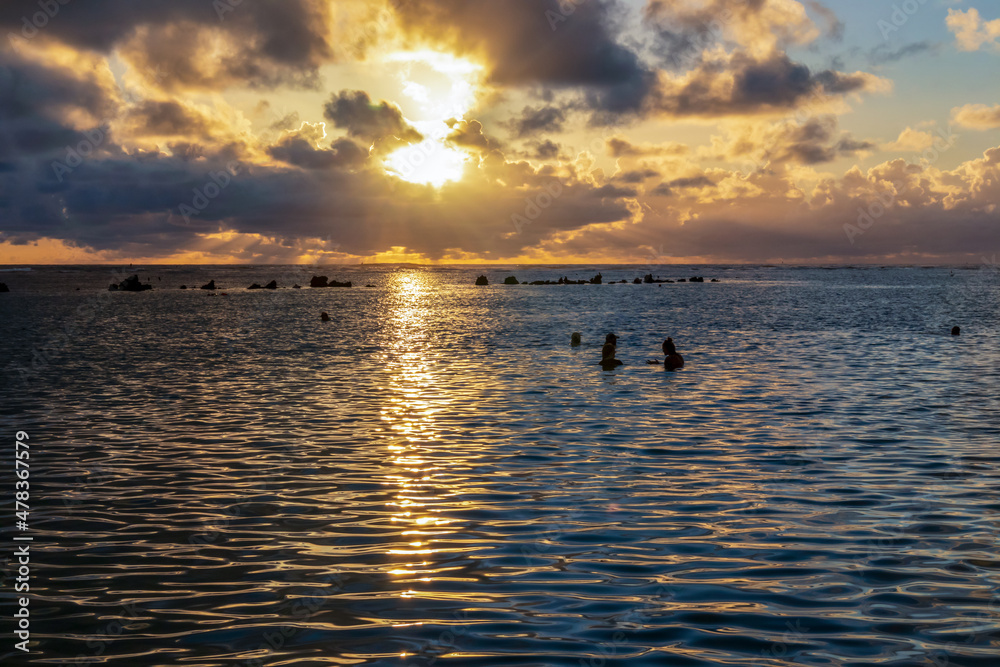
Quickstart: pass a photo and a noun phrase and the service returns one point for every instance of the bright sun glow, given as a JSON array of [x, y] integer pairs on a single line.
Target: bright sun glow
[[440, 87]]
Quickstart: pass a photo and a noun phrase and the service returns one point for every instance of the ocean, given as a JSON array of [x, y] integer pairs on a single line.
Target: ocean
[[437, 477]]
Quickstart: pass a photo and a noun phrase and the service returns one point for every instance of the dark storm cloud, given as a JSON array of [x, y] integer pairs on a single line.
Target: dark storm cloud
[[613, 191], [355, 112], [270, 42], [544, 150], [692, 182], [299, 152], [29, 88], [166, 118], [638, 175], [538, 119], [757, 87], [539, 42], [813, 143]]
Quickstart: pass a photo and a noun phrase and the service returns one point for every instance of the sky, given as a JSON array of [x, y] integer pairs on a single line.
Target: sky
[[499, 131]]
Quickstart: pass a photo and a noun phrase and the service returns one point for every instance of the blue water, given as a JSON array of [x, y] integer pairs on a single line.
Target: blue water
[[436, 477]]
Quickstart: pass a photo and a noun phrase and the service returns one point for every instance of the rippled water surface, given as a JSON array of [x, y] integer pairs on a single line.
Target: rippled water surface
[[435, 477]]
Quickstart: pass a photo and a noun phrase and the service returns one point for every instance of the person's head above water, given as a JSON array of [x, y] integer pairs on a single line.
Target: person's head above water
[[611, 338], [575, 338], [956, 331], [668, 347]]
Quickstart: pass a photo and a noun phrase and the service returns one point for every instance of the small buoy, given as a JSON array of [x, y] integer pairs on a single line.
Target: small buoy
[[324, 317], [956, 331]]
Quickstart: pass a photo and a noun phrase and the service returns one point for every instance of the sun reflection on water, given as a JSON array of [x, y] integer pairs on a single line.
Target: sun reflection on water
[[414, 451]]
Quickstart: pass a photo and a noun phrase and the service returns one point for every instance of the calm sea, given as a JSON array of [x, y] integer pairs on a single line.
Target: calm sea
[[436, 477]]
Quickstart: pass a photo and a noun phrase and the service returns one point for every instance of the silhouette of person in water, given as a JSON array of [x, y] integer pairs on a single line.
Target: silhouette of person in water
[[668, 347], [673, 360], [608, 360]]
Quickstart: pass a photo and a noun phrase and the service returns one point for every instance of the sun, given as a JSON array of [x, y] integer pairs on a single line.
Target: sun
[[440, 87]]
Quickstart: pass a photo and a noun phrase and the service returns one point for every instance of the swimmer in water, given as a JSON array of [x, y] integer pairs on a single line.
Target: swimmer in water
[[673, 360], [608, 361]]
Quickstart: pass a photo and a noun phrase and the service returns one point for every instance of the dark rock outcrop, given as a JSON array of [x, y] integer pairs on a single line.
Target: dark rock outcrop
[[210, 285], [323, 281], [482, 281], [510, 280], [597, 280], [132, 284], [4, 288], [255, 286]]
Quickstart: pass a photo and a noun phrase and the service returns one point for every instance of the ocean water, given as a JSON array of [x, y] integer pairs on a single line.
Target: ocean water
[[435, 477]]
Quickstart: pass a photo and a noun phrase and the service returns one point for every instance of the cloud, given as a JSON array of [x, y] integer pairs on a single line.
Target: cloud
[[739, 85], [529, 42], [638, 175], [971, 31], [621, 147], [700, 181], [300, 152], [545, 150], [815, 141], [534, 120], [469, 134], [760, 28], [834, 26], [883, 54], [911, 140], [178, 44], [977, 116], [355, 111]]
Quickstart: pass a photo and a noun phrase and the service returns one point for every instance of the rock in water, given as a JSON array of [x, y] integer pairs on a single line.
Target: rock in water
[[4, 288], [255, 286], [510, 280], [210, 285], [271, 285], [482, 281], [319, 281], [132, 284]]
